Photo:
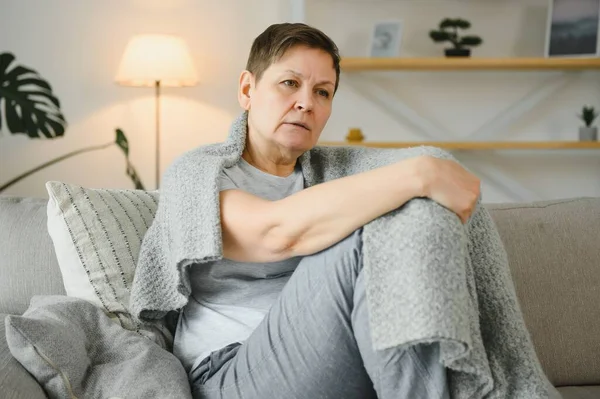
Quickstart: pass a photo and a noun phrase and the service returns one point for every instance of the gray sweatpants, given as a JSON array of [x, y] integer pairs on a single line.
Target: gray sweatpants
[[315, 343]]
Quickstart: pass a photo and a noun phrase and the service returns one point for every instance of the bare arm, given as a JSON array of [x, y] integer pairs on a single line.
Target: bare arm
[[258, 230]]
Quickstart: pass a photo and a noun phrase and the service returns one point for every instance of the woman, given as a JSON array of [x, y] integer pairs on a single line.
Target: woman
[[284, 315]]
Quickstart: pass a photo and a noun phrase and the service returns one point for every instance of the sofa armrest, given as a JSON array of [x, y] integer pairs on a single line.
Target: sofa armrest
[[15, 381]]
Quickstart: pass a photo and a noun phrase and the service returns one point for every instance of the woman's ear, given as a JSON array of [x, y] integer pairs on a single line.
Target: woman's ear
[[245, 89]]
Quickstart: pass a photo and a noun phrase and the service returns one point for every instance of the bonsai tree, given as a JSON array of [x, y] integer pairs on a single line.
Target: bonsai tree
[[588, 115], [29, 106], [448, 32]]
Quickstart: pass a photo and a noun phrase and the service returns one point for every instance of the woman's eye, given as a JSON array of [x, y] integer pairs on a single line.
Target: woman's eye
[[290, 83], [324, 93]]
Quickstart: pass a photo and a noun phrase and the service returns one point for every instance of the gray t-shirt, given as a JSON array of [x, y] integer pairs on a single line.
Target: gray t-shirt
[[229, 299]]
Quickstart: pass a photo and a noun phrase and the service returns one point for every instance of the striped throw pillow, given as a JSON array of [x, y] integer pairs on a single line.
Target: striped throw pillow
[[97, 235]]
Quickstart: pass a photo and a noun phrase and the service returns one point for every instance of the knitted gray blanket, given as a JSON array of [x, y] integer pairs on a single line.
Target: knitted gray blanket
[[430, 278]]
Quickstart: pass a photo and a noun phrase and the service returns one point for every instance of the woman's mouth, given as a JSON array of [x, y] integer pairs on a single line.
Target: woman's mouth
[[299, 124]]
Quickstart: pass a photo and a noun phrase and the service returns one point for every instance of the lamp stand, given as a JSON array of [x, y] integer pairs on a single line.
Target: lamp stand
[[157, 144]]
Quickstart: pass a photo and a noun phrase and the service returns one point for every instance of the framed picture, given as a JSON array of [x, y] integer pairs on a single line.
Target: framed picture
[[385, 39], [573, 27]]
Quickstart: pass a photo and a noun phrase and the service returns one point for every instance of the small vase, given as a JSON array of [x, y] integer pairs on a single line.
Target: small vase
[[355, 135], [457, 52], [588, 133]]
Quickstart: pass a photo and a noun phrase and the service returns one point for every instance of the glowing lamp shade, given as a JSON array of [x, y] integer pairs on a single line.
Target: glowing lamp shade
[[157, 61], [153, 58]]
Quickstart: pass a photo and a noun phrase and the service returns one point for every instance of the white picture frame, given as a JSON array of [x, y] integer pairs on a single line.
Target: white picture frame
[[573, 29], [386, 38]]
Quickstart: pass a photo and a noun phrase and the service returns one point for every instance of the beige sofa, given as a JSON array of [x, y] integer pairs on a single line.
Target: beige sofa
[[553, 248]]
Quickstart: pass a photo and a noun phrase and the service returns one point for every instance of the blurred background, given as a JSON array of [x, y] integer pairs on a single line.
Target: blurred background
[[79, 46]]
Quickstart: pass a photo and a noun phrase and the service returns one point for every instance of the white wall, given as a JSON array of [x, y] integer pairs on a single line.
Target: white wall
[[77, 45]]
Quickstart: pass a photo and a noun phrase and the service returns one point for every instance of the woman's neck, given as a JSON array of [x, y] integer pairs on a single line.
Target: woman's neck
[[269, 162]]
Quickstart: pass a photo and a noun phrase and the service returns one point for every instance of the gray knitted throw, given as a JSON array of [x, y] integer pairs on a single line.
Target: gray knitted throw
[[429, 277]]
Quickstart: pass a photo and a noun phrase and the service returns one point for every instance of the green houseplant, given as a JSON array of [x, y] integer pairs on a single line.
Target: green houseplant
[[448, 32], [29, 106], [588, 132]]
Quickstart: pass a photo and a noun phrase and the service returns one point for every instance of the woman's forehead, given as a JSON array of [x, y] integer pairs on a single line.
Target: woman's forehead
[[302, 60]]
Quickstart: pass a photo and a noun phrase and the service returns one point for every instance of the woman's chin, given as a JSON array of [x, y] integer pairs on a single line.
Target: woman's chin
[[296, 144]]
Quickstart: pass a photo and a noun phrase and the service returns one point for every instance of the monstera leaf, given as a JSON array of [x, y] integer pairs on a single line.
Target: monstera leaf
[[30, 107]]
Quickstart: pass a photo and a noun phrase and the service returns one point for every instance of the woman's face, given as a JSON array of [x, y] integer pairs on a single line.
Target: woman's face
[[291, 103]]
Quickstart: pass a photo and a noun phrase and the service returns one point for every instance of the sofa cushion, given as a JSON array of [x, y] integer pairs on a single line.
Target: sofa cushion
[[15, 381], [97, 234], [74, 350], [28, 264], [554, 257], [585, 392]]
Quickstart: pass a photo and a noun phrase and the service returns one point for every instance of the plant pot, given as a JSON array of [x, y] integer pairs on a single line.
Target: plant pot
[[457, 52], [588, 133]]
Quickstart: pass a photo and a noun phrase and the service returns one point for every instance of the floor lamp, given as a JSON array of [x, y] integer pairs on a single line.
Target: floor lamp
[[154, 60]]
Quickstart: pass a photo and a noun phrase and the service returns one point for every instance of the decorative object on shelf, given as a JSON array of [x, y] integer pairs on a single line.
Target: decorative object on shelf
[[355, 135], [448, 32], [572, 29], [385, 39], [31, 108], [154, 60], [588, 132]]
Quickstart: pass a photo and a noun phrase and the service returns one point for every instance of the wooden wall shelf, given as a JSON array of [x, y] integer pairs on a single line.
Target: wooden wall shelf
[[472, 63], [477, 145]]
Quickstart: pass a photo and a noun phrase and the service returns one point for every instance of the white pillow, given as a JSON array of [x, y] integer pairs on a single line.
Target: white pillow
[[97, 235]]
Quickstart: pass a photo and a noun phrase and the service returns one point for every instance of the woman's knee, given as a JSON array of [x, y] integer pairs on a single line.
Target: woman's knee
[[419, 219]]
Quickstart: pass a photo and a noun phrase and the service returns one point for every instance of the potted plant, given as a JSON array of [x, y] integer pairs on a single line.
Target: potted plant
[[448, 32], [29, 106], [588, 132]]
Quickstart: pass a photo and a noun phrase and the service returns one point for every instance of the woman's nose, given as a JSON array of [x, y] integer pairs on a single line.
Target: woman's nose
[[304, 101]]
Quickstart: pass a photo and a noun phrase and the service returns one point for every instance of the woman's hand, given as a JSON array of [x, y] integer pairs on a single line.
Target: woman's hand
[[449, 184]]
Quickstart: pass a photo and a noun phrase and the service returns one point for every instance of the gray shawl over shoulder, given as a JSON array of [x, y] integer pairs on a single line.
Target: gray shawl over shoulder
[[430, 278]]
